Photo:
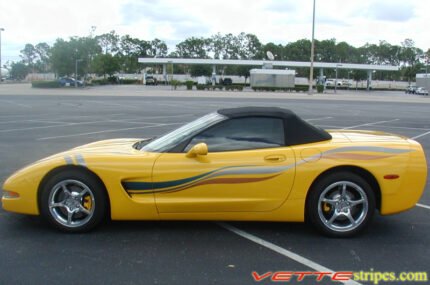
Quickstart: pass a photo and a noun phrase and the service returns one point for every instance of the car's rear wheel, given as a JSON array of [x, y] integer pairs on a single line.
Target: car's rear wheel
[[341, 204], [73, 201]]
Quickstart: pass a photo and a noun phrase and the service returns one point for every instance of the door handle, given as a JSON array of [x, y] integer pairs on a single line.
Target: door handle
[[275, 158]]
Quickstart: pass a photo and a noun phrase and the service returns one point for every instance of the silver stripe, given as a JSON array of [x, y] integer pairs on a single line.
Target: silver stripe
[[254, 170], [68, 160], [80, 160], [368, 148]]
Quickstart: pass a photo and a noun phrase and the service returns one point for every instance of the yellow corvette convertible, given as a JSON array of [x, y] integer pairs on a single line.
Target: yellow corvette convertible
[[250, 163]]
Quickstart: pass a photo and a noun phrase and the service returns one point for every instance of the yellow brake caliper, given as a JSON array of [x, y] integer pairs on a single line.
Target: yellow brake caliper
[[326, 207], [87, 202]]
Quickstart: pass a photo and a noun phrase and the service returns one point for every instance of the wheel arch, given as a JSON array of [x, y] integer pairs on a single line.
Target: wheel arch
[[363, 173], [63, 168]]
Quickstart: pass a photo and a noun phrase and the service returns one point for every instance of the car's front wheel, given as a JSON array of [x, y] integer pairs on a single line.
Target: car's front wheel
[[341, 204], [73, 201]]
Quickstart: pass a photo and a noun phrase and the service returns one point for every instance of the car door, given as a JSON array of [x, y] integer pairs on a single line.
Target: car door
[[248, 168]]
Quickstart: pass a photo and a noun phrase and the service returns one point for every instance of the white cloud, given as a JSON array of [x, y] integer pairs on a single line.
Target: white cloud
[[278, 21]]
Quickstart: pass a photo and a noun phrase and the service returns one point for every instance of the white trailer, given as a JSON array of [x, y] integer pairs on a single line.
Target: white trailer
[[277, 78]]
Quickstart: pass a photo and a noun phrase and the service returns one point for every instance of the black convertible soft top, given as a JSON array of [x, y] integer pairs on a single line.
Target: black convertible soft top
[[297, 131]]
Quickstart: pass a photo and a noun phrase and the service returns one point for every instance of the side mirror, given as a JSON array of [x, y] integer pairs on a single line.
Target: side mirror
[[198, 149]]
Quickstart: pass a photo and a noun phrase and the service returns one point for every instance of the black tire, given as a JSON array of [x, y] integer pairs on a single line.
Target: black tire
[[79, 209], [334, 208]]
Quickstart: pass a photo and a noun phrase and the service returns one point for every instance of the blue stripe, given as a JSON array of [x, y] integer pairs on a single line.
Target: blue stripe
[[160, 185]]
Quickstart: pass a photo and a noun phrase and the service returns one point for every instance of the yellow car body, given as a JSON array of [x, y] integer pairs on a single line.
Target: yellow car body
[[259, 184]]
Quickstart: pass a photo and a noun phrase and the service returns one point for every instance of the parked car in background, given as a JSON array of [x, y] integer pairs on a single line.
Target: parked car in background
[[226, 81], [421, 91], [150, 80], [69, 81], [410, 89], [332, 82]]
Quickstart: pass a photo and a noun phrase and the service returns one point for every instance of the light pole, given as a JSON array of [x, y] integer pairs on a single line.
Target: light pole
[[311, 73], [1, 78], [335, 81], [76, 72]]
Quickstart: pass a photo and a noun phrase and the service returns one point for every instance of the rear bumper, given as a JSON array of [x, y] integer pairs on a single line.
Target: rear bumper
[[412, 184]]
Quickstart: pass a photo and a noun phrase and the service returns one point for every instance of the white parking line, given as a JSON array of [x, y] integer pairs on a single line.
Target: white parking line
[[16, 104], [421, 135], [407, 128], [370, 124], [423, 206], [41, 117], [330, 126], [180, 105], [319, 119], [294, 256], [112, 104], [105, 131], [51, 126], [48, 122]]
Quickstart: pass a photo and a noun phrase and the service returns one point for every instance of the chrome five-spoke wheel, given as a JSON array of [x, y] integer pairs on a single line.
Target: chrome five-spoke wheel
[[73, 201], [340, 204], [343, 206]]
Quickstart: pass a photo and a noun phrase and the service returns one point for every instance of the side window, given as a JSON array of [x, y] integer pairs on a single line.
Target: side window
[[242, 134]]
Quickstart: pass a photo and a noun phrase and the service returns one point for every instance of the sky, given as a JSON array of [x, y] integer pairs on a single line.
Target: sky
[[280, 21]]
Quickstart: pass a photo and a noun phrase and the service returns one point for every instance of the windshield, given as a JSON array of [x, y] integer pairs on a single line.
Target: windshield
[[170, 140]]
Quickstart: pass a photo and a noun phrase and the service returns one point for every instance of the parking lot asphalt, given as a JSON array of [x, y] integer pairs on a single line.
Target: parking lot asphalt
[[34, 126]]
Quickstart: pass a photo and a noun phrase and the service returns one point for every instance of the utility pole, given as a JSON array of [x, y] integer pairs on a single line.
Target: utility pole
[[1, 78], [311, 73]]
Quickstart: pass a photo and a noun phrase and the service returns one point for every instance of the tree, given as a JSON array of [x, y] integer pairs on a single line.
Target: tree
[[106, 64], [216, 45], [43, 51], [244, 70], [109, 42], [409, 59], [298, 50], [18, 70], [29, 55], [64, 55], [252, 47], [276, 50], [193, 48], [158, 48], [200, 70]]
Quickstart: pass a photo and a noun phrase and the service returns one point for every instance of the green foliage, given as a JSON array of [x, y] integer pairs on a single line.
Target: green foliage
[[100, 82], [28, 55], [189, 84], [175, 83], [193, 48], [200, 70], [301, 88], [121, 53], [18, 70], [106, 64], [130, 81], [297, 88], [320, 88], [234, 87], [45, 84]]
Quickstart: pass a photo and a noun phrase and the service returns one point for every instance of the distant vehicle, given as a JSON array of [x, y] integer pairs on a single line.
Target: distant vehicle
[[410, 89], [203, 80], [227, 81], [69, 81], [421, 91], [150, 80], [331, 82]]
